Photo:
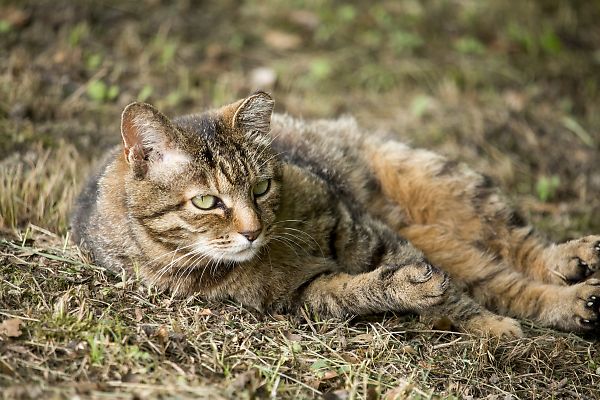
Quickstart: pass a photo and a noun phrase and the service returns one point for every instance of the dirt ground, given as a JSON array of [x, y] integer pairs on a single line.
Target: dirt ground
[[512, 88]]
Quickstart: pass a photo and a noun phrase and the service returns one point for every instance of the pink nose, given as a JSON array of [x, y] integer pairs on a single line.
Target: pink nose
[[251, 235]]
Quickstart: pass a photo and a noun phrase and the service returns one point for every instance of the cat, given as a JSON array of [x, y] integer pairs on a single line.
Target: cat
[[279, 213]]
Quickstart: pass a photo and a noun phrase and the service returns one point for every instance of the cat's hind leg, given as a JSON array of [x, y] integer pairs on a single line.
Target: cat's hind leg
[[505, 290], [426, 188], [419, 288]]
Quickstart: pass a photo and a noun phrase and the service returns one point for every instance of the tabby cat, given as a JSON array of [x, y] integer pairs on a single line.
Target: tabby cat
[[280, 213]]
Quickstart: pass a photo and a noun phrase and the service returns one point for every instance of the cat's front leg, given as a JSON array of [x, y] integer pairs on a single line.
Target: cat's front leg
[[420, 288]]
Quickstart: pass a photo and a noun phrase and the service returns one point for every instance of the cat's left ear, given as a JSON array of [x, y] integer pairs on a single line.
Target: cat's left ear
[[253, 114]]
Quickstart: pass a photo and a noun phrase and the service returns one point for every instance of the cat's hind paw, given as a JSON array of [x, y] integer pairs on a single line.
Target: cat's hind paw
[[576, 260], [586, 310], [494, 326]]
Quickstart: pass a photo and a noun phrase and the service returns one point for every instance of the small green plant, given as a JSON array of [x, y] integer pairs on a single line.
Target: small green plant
[[320, 69], [101, 92], [145, 93], [5, 26], [93, 61], [546, 187], [96, 348], [79, 32], [469, 45]]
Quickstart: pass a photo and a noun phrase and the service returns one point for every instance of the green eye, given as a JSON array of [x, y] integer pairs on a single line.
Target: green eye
[[261, 187], [205, 202]]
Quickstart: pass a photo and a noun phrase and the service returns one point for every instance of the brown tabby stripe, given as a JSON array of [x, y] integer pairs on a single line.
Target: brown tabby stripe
[[161, 212]]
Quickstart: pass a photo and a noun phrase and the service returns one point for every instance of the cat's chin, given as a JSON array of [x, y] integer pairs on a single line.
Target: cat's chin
[[241, 256]]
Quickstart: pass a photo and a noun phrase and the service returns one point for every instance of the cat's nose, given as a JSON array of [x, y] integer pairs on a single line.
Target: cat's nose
[[251, 235]]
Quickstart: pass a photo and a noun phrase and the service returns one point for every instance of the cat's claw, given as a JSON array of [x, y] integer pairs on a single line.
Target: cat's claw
[[587, 308]]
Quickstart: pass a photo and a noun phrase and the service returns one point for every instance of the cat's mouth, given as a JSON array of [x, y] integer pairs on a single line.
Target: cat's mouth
[[242, 253]]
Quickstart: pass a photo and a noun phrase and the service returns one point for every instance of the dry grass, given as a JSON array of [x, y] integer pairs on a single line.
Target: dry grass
[[477, 81], [87, 332], [39, 187]]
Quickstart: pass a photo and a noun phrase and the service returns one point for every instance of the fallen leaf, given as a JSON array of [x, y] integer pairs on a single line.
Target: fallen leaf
[[305, 19], [15, 16], [138, 314], [11, 327], [364, 337], [206, 311], [314, 383], [351, 358], [407, 349], [292, 337], [442, 324], [282, 40], [162, 334], [329, 375]]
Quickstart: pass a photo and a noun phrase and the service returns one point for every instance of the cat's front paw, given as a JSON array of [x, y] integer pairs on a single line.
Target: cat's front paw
[[576, 260], [418, 286]]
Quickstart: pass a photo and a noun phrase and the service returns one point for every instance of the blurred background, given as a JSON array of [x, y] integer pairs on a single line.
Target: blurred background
[[510, 87]]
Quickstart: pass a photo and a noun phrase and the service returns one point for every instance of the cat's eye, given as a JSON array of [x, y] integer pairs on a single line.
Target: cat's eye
[[261, 187], [205, 202]]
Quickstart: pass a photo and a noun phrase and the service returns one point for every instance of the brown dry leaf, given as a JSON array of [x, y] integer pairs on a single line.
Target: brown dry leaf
[[15, 16], [162, 334], [442, 324], [314, 383], [292, 337], [138, 314], [282, 40], [279, 317], [407, 349], [364, 337], [351, 358], [305, 19], [11, 327], [206, 311], [329, 375]]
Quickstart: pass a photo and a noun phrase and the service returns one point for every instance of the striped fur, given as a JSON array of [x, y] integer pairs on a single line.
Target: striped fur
[[352, 223]]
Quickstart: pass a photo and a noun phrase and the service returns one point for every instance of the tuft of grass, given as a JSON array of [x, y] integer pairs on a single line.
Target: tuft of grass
[[39, 187]]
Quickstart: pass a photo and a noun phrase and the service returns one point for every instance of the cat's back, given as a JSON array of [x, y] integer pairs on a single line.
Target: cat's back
[[332, 149]]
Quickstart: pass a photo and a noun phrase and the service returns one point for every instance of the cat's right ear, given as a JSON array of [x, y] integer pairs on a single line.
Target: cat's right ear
[[146, 136], [253, 114]]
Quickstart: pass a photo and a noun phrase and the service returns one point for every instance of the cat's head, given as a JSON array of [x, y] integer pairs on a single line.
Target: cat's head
[[206, 185]]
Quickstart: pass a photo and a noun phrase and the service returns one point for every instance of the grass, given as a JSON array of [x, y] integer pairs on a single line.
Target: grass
[[511, 88]]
